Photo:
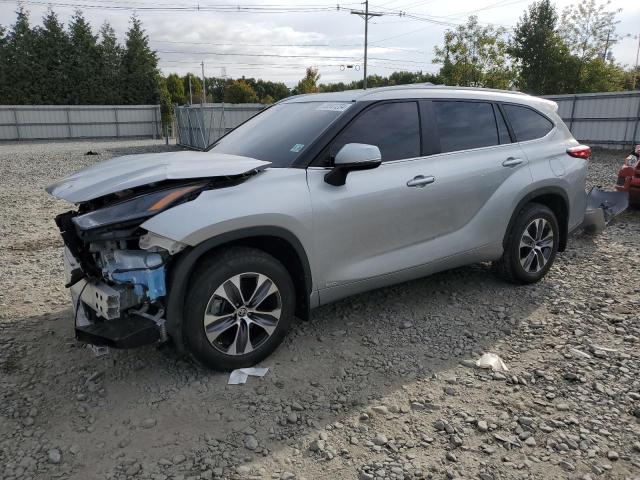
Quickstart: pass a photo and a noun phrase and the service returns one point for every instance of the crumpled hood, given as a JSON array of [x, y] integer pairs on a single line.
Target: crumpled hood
[[122, 173]]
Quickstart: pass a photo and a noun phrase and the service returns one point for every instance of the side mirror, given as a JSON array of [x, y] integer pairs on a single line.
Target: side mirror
[[353, 156]]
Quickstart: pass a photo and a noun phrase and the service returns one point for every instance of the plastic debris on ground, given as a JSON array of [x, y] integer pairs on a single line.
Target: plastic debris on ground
[[579, 353], [98, 350], [239, 376], [492, 361]]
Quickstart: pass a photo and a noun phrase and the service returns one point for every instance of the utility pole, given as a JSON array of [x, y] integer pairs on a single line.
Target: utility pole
[[635, 70], [365, 15], [606, 46], [190, 93], [204, 86]]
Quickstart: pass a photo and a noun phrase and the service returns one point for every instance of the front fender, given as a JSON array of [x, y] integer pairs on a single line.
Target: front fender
[[278, 197]]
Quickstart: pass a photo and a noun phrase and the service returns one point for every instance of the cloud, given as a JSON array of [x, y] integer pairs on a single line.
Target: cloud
[[333, 34]]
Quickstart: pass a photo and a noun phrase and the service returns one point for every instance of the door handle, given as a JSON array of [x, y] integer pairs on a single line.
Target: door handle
[[420, 181], [512, 162]]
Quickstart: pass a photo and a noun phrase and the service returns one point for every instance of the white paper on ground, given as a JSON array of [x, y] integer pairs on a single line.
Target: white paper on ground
[[492, 361], [239, 376]]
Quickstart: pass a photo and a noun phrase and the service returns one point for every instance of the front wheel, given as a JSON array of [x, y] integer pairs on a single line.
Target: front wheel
[[531, 245], [239, 306]]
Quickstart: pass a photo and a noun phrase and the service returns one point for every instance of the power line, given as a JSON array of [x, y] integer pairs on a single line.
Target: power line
[[499, 4], [184, 8], [365, 15], [229, 54], [278, 45], [274, 55], [233, 44]]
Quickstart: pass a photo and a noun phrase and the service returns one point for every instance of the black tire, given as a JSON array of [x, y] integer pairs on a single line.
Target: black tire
[[207, 279], [509, 267]]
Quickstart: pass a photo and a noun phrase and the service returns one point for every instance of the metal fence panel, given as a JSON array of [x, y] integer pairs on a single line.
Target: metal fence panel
[[608, 119], [42, 122], [199, 126]]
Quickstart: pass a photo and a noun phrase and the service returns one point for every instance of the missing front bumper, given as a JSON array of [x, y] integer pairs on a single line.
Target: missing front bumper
[[128, 332], [108, 315], [602, 207]]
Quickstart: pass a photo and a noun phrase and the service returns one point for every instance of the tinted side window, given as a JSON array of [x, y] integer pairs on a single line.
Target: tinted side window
[[393, 127], [465, 125], [526, 123], [503, 132]]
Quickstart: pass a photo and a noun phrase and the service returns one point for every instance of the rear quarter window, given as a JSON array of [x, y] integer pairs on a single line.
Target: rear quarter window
[[527, 124], [465, 125]]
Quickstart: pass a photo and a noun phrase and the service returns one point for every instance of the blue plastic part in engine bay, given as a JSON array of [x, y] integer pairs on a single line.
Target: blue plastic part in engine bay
[[148, 282]]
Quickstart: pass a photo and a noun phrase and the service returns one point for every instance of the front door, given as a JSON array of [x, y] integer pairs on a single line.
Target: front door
[[364, 228]]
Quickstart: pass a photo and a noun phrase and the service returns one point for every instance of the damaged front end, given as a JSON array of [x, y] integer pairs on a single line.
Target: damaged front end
[[116, 271]]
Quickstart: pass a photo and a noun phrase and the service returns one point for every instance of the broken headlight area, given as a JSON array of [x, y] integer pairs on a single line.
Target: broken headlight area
[[137, 208]]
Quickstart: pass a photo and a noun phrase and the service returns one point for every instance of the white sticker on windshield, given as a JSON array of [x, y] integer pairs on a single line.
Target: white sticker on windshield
[[333, 106], [297, 147]]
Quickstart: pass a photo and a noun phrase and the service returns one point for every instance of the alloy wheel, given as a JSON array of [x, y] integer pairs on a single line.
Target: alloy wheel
[[242, 313], [536, 245]]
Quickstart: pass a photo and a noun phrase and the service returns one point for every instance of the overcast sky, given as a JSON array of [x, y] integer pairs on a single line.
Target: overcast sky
[[279, 45]]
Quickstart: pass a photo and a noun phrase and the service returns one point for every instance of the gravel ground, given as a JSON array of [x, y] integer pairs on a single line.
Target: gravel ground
[[378, 386]]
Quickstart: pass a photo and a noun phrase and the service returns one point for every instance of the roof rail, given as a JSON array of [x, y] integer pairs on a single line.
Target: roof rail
[[411, 86]]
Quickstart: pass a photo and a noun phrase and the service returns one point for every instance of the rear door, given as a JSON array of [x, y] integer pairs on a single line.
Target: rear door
[[477, 157], [476, 171]]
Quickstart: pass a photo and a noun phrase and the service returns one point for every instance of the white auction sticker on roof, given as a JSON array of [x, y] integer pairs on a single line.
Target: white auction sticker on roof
[[334, 106]]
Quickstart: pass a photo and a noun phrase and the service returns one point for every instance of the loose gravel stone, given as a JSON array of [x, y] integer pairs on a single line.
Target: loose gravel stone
[[55, 456]]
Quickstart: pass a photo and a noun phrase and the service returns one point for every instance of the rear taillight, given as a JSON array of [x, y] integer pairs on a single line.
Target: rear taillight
[[580, 151]]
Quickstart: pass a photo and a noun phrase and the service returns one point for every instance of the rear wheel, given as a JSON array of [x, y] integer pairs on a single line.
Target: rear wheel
[[239, 307], [531, 245]]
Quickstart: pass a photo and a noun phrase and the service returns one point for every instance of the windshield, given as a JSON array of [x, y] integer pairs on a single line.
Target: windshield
[[281, 133]]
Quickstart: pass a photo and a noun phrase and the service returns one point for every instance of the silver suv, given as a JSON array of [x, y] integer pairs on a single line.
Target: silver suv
[[314, 199]]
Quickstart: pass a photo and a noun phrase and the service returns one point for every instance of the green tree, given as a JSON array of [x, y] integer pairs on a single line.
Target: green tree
[[164, 97], [309, 84], [632, 79], [110, 66], [267, 100], [275, 90], [84, 62], [475, 56], [240, 92], [175, 88], [336, 87], [406, 78], [196, 87], [215, 88], [589, 28], [598, 75], [139, 67], [4, 84], [52, 46], [20, 62], [540, 53]]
